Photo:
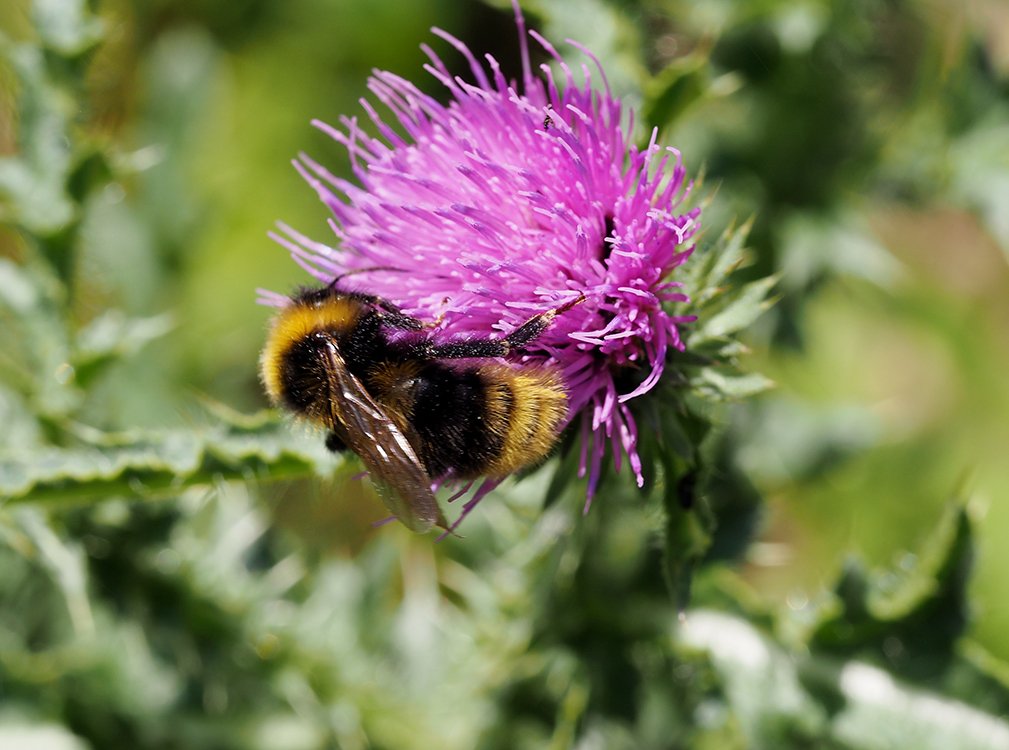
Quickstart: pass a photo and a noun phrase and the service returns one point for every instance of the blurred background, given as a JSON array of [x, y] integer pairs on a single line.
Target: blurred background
[[146, 153]]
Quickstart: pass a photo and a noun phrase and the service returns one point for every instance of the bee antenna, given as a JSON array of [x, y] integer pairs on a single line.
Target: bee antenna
[[354, 272]]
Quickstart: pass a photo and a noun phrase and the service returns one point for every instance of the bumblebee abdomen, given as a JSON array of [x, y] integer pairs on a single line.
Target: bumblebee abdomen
[[527, 407], [486, 421], [449, 418]]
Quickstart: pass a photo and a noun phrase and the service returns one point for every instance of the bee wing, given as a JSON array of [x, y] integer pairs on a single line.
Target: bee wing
[[404, 486]]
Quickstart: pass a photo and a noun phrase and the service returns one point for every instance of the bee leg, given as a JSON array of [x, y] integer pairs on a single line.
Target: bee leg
[[537, 324], [483, 348], [396, 318]]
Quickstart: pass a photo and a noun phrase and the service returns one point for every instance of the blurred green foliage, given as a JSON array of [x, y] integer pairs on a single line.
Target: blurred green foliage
[[219, 596]]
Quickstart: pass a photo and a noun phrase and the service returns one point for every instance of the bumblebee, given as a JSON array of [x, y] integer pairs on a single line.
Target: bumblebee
[[412, 409]]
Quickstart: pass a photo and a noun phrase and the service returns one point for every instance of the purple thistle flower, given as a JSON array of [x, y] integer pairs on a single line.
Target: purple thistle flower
[[509, 200]]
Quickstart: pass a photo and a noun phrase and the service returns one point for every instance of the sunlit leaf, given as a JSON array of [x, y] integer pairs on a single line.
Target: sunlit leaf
[[717, 385], [157, 464], [66, 26], [674, 89], [789, 700], [32, 184], [740, 308], [28, 735], [112, 336]]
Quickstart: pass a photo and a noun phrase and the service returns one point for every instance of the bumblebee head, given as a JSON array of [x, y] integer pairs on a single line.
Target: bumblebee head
[[310, 312]]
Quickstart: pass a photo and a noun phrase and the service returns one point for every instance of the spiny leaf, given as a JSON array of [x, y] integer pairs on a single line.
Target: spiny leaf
[[723, 309], [877, 711], [152, 464], [784, 699], [709, 267], [65, 561], [739, 307], [912, 623], [32, 184], [674, 437], [980, 678], [112, 336], [730, 386], [760, 681], [34, 337]]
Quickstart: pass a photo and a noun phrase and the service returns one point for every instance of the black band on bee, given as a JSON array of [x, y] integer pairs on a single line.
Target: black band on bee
[[303, 376], [449, 415]]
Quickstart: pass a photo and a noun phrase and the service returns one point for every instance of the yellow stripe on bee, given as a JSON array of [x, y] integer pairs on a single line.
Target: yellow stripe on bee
[[538, 407], [295, 322]]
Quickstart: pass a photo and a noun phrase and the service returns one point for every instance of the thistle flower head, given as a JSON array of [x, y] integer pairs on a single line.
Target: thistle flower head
[[510, 199]]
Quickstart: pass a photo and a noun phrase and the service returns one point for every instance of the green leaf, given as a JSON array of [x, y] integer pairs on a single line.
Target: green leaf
[[980, 176], [818, 247], [730, 386], [760, 680], [674, 436], [674, 89], [709, 267], [65, 562], [740, 306], [723, 308], [789, 439], [689, 524], [20, 733], [66, 26], [32, 185], [163, 463], [689, 527], [91, 171], [21, 426], [909, 621], [979, 678], [112, 336], [42, 186], [34, 338], [878, 711], [785, 699]]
